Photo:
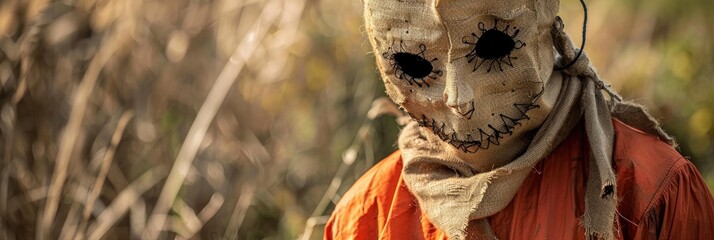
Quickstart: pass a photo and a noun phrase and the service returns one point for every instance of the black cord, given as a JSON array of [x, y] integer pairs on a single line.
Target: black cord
[[582, 45]]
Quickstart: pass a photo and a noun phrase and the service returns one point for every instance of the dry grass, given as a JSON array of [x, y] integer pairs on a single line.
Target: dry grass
[[227, 119]]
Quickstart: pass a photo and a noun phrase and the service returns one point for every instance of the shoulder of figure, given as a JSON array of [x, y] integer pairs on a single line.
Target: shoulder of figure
[[364, 205], [644, 166], [661, 193]]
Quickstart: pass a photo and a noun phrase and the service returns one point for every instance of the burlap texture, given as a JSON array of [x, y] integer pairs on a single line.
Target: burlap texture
[[635, 114], [452, 194]]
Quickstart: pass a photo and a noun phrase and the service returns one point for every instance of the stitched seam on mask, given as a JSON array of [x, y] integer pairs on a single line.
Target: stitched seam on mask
[[488, 136], [449, 58]]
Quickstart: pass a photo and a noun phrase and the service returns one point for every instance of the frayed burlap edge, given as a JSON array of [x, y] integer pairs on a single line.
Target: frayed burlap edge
[[636, 115]]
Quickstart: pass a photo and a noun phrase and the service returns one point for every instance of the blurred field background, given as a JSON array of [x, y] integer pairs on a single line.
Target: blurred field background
[[247, 119]]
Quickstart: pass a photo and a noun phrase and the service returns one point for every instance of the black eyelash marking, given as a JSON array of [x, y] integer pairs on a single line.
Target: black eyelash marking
[[486, 137], [412, 67], [493, 45]]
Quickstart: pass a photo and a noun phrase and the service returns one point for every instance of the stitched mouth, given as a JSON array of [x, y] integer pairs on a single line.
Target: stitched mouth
[[466, 110], [483, 137]]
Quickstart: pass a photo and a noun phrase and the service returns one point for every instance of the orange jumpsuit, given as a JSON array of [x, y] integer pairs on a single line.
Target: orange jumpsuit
[[661, 196]]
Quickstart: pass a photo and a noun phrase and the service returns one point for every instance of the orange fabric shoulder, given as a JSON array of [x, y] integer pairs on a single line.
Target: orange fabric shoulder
[[379, 206], [661, 193], [643, 164], [360, 212]]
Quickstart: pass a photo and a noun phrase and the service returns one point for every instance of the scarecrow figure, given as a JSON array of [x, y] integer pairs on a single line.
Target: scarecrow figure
[[512, 135]]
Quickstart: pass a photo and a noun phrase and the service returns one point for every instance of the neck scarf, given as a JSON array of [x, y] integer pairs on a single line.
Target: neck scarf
[[452, 194]]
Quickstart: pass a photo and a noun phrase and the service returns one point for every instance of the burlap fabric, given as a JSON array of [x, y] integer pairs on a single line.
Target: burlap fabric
[[452, 194]]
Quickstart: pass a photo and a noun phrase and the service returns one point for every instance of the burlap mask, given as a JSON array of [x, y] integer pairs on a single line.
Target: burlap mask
[[474, 72]]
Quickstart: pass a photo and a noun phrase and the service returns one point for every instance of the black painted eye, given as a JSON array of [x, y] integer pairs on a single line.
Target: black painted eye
[[494, 46], [413, 67]]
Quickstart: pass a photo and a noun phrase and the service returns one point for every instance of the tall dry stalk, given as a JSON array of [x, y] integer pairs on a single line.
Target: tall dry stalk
[[205, 116]]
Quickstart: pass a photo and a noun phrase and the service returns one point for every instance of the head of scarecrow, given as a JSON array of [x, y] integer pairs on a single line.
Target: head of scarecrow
[[472, 72]]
